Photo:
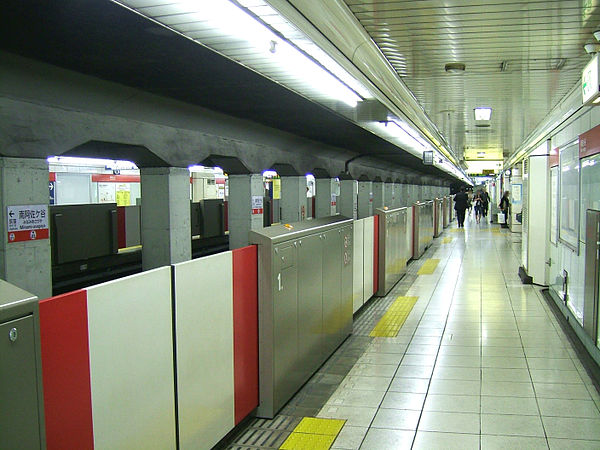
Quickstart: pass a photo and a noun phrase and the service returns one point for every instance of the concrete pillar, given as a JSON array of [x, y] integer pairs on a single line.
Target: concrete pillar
[[365, 199], [25, 263], [166, 235], [402, 196], [348, 200], [245, 207], [293, 199], [413, 194], [378, 195], [326, 201], [389, 194], [397, 194]]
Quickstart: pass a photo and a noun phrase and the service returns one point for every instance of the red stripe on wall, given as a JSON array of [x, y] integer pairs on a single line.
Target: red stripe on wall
[[66, 371], [376, 254], [52, 176], [107, 178], [245, 331], [553, 160], [589, 142], [121, 227]]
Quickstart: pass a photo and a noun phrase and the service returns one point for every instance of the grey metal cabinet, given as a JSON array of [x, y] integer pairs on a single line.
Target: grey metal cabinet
[[305, 302], [393, 250], [21, 411], [423, 227], [285, 331], [310, 316], [332, 295], [346, 307]]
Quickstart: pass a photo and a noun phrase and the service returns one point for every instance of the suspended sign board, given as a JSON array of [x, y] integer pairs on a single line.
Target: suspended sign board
[[27, 223], [590, 88], [428, 158]]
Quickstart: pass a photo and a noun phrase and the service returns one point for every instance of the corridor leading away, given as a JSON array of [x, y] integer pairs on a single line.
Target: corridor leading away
[[480, 362]]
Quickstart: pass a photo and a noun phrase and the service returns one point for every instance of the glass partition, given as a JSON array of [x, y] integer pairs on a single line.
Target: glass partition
[[568, 224]]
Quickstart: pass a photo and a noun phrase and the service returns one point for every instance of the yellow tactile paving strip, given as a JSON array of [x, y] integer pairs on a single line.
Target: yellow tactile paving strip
[[428, 266], [394, 318], [313, 434], [446, 240]]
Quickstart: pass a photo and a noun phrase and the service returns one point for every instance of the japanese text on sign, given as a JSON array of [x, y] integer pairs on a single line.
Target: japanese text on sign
[[27, 223], [30, 217]]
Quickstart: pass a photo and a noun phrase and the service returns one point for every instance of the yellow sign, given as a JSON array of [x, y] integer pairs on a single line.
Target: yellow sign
[[123, 198], [276, 188]]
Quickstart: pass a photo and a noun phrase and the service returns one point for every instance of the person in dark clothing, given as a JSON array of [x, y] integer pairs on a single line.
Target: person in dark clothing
[[461, 201], [485, 202], [478, 206], [505, 208]]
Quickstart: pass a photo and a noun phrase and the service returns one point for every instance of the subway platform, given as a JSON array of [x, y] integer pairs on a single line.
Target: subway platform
[[459, 355]]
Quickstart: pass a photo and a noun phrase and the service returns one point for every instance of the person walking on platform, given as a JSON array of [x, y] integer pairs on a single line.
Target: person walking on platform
[[504, 208], [478, 206], [460, 205], [485, 202]]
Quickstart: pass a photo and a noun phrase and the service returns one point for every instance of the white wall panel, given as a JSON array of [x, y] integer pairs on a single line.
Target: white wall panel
[[538, 223], [368, 238], [73, 188], [204, 339], [357, 283], [131, 362]]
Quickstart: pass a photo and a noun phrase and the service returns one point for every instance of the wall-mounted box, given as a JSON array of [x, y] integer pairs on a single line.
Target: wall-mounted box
[[305, 272], [22, 411]]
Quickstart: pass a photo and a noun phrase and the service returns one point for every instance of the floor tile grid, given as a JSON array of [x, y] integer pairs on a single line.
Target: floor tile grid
[[364, 322], [513, 420], [578, 431], [410, 436], [473, 254]]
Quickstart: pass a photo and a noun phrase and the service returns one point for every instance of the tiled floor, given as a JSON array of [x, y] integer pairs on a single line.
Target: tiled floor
[[479, 363]]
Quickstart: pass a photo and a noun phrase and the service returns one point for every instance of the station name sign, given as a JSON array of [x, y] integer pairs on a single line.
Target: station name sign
[[27, 223], [428, 158]]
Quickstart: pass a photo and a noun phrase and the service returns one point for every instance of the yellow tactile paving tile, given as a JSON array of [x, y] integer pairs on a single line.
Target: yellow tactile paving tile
[[447, 240], [428, 267], [303, 441], [313, 434], [394, 318], [312, 425]]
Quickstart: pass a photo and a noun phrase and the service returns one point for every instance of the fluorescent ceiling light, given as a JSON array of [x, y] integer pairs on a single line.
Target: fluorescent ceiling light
[[91, 162], [317, 72], [483, 113], [408, 137]]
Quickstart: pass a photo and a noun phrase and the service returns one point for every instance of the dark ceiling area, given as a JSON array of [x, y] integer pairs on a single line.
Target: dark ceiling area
[[103, 39]]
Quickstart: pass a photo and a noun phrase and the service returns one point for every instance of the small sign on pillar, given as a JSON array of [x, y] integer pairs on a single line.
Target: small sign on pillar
[[27, 223], [257, 204]]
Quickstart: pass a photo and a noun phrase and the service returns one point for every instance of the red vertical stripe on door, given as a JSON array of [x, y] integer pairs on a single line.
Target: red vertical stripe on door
[[245, 330], [375, 254], [66, 372], [121, 227]]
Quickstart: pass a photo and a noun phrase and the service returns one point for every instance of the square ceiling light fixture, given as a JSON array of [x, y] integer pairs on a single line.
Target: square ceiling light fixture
[[483, 113]]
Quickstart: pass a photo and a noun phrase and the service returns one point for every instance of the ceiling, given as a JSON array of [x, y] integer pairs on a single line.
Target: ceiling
[[521, 58], [104, 39]]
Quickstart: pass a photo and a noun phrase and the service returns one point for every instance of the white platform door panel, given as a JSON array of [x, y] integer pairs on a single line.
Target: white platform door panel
[[357, 278], [368, 238], [204, 339], [131, 362]]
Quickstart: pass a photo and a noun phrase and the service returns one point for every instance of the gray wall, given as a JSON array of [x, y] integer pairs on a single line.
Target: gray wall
[[45, 110]]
